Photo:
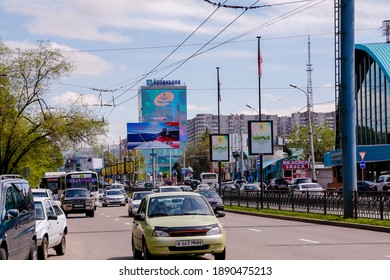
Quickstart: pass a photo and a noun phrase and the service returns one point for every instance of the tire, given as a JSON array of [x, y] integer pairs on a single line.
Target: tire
[[33, 250], [130, 213], [136, 253], [104, 205], [43, 250], [146, 253], [91, 213], [3, 254], [220, 256], [61, 248]]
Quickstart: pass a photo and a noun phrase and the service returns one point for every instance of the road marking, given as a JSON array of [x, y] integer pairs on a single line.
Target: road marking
[[116, 220], [256, 230], [108, 216], [128, 224], [310, 241]]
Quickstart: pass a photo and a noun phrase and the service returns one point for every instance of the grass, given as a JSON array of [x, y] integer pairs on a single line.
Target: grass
[[305, 215]]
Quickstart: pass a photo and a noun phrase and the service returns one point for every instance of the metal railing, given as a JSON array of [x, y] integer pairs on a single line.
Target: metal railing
[[373, 205]]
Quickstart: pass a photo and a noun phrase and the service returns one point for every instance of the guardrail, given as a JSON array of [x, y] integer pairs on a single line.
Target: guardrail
[[373, 205]]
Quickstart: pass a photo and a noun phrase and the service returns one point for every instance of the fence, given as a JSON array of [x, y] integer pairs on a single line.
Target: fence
[[373, 205]]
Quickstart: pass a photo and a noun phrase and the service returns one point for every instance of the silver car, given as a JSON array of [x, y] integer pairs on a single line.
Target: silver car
[[113, 197], [135, 200]]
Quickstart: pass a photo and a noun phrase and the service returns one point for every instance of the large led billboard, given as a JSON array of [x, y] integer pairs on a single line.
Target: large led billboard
[[260, 138], [153, 135], [165, 104]]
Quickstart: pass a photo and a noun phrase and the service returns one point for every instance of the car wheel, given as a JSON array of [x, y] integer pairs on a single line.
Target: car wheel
[[33, 250], [3, 254], [220, 256], [130, 212], [104, 205], [61, 248], [146, 253], [91, 214], [43, 250], [136, 253]]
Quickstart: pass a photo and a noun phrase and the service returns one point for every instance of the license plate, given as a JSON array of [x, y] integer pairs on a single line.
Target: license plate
[[78, 205], [189, 243]]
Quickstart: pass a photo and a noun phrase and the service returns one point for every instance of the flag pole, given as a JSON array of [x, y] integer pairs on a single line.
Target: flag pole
[[219, 129], [259, 61]]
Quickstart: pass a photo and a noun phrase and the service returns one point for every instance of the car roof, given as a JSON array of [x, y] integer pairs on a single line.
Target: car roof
[[42, 198], [40, 190]]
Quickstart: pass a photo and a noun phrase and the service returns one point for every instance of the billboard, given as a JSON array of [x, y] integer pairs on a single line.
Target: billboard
[[260, 138], [165, 104], [219, 147], [153, 135]]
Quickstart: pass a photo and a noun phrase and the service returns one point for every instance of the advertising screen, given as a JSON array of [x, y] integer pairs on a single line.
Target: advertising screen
[[260, 137], [219, 147], [153, 135]]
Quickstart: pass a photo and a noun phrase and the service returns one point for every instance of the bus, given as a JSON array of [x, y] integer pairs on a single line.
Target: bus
[[209, 178], [80, 179], [51, 181]]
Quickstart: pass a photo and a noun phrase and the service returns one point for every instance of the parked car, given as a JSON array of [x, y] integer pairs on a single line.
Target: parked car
[[203, 187], [366, 186], [239, 182], [228, 185], [135, 200], [383, 183], [113, 197], [278, 184], [296, 181], [101, 192], [311, 188], [51, 227], [78, 200], [18, 238], [177, 223], [213, 198], [251, 187]]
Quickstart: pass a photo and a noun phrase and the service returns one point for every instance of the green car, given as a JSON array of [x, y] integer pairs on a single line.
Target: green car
[[177, 223]]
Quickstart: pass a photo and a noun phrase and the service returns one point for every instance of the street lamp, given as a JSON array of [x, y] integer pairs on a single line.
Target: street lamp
[[314, 176], [252, 108]]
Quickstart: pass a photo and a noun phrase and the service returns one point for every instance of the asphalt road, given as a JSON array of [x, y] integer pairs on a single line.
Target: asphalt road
[[107, 236]]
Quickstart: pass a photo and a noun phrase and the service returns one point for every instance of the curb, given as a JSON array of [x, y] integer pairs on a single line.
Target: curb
[[314, 221]]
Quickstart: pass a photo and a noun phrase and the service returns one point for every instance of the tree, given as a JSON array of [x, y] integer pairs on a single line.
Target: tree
[[32, 133], [323, 139], [198, 155]]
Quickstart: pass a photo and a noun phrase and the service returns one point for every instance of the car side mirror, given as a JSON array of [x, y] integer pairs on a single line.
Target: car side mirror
[[52, 217], [12, 214], [139, 217]]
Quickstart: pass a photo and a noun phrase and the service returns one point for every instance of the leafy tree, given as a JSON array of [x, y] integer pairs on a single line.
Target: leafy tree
[[323, 139], [32, 133], [198, 155]]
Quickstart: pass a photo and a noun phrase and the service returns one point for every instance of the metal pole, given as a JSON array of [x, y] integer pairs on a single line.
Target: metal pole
[[219, 129], [261, 156]]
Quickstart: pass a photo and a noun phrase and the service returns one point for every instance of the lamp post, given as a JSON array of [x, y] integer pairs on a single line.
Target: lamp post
[[250, 107], [314, 175]]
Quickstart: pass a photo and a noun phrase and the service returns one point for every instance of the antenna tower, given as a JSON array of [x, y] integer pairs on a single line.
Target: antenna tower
[[309, 69]]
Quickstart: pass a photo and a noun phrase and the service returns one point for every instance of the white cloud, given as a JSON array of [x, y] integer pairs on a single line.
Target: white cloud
[[70, 97]]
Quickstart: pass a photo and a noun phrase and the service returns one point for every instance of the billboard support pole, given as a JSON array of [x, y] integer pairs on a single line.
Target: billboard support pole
[[153, 181]]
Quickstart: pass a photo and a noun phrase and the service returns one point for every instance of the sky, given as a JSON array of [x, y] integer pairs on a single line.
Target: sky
[[116, 45]]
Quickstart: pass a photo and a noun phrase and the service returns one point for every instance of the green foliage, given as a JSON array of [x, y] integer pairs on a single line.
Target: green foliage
[[32, 133], [299, 141], [198, 155]]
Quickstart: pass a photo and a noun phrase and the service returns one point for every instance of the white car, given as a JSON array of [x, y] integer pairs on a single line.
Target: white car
[[39, 192], [311, 188], [51, 227], [135, 200], [169, 189]]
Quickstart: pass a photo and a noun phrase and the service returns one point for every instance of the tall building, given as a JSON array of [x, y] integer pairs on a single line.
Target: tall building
[[164, 101]]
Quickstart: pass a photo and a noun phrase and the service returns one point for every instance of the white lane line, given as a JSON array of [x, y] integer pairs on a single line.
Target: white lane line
[[129, 224], [116, 220], [309, 241], [256, 230], [102, 213], [108, 216], [387, 256]]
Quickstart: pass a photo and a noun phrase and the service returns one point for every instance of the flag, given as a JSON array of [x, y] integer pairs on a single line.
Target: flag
[[259, 62]]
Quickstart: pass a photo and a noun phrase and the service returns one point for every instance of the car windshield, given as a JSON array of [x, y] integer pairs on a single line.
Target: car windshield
[[139, 196], [114, 192], [40, 194], [209, 194], [311, 186], [76, 193], [178, 206], [39, 215], [170, 189]]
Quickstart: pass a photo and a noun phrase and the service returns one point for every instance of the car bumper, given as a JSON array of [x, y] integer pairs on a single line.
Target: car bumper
[[167, 245]]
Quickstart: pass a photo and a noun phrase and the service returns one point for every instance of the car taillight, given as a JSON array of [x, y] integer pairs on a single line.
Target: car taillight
[[388, 184]]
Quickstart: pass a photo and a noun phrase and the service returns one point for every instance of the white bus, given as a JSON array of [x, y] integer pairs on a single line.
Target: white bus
[[209, 178]]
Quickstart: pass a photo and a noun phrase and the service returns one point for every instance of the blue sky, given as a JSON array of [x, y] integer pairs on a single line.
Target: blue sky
[[115, 43]]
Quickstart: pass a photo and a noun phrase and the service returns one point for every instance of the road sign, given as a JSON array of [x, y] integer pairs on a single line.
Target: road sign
[[362, 155], [362, 164]]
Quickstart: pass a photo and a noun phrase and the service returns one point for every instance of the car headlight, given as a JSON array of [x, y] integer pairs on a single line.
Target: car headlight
[[160, 233], [214, 231]]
